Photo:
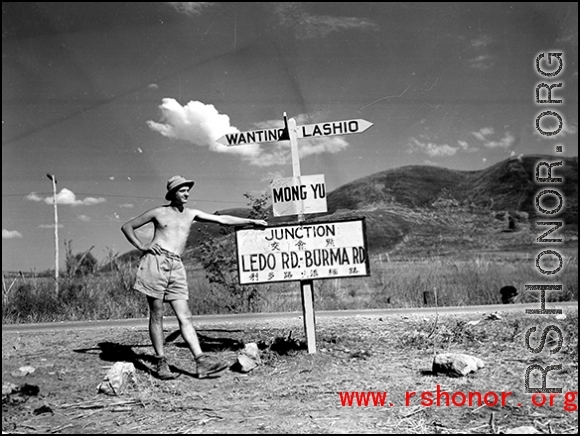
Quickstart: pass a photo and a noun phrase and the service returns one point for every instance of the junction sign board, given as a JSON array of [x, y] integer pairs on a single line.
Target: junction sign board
[[304, 251]]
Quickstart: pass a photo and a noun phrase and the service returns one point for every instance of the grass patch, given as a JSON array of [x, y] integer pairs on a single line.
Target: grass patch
[[444, 280]]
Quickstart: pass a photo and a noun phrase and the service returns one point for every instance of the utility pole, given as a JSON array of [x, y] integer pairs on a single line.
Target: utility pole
[[53, 180]]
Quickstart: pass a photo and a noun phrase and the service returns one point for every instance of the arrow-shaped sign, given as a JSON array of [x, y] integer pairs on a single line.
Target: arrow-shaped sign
[[254, 136], [331, 128]]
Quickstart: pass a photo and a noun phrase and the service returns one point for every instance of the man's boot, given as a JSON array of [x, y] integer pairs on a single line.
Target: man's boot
[[163, 370]]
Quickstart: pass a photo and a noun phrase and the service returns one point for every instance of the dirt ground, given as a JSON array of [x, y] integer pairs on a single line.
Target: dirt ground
[[293, 391]]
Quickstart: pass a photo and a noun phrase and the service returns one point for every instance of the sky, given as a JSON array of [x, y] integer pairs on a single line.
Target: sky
[[115, 98]]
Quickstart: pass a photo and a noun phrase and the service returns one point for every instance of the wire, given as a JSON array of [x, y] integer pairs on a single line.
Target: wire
[[125, 196]]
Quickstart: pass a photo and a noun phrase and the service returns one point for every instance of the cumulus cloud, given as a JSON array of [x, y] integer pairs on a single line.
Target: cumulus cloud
[[568, 129], [485, 135], [550, 123], [466, 147], [482, 58], [114, 217], [519, 157], [431, 149], [49, 226], [202, 125], [10, 234], [481, 42], [570, 38], [294, 16], [66, 197], [505, 142], [305, 25], [190, 8], [565, 38], [279, 153], [198, 123], [481, 62], [33, 196]]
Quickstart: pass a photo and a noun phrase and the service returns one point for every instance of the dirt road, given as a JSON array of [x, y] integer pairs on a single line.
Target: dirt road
[[293, 391]]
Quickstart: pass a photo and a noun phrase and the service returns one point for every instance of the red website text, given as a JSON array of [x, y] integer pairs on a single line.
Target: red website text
[[442, 398]]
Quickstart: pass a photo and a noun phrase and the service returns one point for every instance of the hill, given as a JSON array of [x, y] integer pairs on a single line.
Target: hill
[[507, 185], [426, 210]]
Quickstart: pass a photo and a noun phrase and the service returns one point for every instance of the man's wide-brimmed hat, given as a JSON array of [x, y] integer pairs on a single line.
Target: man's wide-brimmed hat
[[174, 183]]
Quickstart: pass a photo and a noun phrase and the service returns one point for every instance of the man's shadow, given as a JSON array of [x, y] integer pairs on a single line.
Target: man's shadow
[[208, 343], [146, 362]]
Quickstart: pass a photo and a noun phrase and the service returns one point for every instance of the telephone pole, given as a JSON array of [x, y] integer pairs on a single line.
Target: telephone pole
[[53, 180]]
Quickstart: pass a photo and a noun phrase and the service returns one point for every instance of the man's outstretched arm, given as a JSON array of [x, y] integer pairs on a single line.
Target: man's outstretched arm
[[229, 220]]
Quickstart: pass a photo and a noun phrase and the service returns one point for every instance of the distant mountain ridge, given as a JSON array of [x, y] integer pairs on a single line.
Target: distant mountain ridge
[[507, 185], [432, 209]]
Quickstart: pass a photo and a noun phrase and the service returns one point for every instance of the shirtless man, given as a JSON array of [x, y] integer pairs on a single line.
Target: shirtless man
[[161, 275]]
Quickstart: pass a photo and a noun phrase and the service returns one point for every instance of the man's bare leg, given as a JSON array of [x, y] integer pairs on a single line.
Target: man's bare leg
[[156, 325], [183, 314], [158, 338], [205, 365]]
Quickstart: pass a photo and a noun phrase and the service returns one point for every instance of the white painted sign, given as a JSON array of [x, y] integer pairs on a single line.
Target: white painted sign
[[306, 131], [299, 195], [254, 137], [332, 128], [317, 250]]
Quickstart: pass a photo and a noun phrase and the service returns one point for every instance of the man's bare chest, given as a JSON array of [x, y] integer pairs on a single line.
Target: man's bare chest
[[174, 223]]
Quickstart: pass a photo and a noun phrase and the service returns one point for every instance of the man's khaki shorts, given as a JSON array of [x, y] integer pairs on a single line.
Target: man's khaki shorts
[[162, 276]]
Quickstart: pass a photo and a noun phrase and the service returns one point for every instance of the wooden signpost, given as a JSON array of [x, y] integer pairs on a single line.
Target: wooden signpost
[[303, 251]]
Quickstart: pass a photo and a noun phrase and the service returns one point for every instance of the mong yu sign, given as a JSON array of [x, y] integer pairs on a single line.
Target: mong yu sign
[[306, 251], [295, 195]]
